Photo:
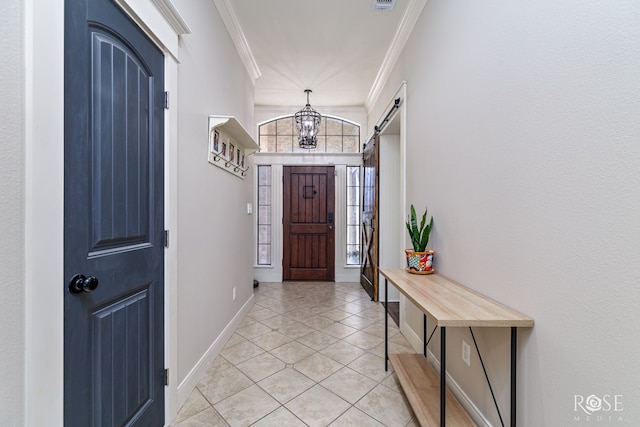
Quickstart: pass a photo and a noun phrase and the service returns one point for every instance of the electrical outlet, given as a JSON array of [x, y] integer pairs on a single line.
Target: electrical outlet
[[466, 353], [235, 292]]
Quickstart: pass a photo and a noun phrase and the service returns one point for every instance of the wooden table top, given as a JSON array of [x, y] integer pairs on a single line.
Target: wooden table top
[[452, 304]]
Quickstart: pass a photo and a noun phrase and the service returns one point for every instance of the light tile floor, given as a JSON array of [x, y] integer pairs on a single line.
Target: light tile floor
[[307, 354]]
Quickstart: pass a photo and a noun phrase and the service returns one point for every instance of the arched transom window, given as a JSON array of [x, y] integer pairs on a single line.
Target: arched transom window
[[336, 135]]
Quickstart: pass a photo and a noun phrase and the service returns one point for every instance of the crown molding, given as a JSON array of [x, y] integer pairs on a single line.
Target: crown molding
[[408, 22], [237, 35], [172, 16]]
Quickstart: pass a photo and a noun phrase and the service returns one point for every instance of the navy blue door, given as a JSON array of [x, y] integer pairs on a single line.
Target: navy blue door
[[113, 240]]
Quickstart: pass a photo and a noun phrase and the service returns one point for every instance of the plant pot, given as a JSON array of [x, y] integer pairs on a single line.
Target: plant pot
[[419, 262]]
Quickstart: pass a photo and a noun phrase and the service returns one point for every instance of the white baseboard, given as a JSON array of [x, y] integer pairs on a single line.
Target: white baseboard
[[197, 372], [416, 342], [267, 275], [347, 275], [272, 275]]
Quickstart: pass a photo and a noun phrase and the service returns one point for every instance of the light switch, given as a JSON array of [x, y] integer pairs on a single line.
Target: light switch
[[249, 208]]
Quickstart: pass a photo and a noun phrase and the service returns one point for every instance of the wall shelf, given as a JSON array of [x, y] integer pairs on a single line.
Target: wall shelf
[[230, 145]]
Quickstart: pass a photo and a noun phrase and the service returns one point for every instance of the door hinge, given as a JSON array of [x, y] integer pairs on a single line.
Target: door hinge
[[166, 100], [166, 377], [166, 238]]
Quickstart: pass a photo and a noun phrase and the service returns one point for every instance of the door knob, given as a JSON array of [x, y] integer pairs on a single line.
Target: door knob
[[80, 283]]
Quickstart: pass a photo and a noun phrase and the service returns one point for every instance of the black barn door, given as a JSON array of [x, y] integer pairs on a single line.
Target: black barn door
[[113, 240], [370, 186]]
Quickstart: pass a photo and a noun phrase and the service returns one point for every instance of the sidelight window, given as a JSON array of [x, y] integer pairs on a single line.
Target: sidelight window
[[264, 215], [353, 215]]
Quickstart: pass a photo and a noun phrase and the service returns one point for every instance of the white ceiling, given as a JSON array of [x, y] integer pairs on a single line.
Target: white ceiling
[[336, 48]]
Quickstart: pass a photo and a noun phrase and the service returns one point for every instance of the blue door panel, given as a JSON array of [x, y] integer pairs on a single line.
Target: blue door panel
[[114, 220], [123, 378], [121, 105]]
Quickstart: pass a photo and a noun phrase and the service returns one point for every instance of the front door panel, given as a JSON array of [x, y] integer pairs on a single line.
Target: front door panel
[[308, 244]]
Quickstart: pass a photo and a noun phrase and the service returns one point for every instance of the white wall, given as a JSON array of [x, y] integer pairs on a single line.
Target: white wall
[[523, 140], [12, 199], [391, 224], [215, 233]]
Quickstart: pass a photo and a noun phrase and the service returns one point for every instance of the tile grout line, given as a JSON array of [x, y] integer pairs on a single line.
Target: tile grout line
[[373, 318]]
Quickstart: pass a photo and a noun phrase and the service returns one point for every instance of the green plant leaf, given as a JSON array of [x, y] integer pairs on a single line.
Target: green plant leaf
[[410, 232], [419, 235], [414, 223], [424, 241]]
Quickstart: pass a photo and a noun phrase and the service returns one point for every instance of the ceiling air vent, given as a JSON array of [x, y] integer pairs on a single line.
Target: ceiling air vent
[[384, 4]]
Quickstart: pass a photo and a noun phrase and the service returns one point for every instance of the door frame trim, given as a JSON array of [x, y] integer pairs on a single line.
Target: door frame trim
[[43, 204], [273, 272], [402, 112]]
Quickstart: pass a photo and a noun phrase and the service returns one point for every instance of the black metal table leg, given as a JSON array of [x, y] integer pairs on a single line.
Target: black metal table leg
[[386, 325], [443, 375], [514, 349], [424, 333]]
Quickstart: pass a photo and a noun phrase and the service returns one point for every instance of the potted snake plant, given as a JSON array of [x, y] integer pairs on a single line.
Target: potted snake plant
[[419, 260]]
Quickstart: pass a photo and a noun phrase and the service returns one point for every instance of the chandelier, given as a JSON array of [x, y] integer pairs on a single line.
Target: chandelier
[[307, 124]]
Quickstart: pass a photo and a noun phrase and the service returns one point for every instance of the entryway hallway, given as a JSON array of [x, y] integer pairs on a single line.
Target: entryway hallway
[[307, 354]]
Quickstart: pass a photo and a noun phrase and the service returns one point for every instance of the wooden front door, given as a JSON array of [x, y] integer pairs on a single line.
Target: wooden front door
[[308, 241], [370, 183], [113, 220]]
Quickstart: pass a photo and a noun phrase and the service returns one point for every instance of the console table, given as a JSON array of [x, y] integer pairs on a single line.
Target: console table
[[449, 304]]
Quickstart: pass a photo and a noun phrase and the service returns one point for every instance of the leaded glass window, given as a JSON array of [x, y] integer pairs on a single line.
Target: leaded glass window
[[334, 136], [264, 215], [353, 215]]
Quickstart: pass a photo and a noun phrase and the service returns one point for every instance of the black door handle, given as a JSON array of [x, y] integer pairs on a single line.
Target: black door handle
[[80, 284]]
